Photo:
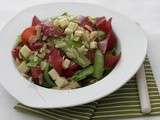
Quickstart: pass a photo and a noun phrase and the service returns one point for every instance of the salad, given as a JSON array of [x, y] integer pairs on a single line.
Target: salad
[[66, 51]]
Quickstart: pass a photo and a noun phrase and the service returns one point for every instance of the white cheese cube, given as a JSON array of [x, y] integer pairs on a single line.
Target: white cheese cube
[[43, 65], [61, 82], [23, 68], [93, 44], [66, 63], [63, 22], [56, 22], [25, 51], [68, 31], [86, 36], [53, 73], [93, 35], [78, 33], [73, 26], [72, 85]]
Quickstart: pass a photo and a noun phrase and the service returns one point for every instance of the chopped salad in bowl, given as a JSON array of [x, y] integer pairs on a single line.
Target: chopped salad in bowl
[[66, 52]]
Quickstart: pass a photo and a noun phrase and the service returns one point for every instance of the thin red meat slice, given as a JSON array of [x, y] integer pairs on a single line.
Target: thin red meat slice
[[36, 21], [103, 45], [56, 59], [85, 23], [91, 55], [35, 46], [52, 31], [15, 52], [37, 75], [71, 70]]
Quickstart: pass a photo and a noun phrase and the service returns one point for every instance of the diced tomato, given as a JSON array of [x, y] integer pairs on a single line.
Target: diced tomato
[[35, 46], [91, 55], [37, 75], [52, 31], [27, 33], [36, 21], [111, 60], [15, 52], [71, 70], [55, 59]]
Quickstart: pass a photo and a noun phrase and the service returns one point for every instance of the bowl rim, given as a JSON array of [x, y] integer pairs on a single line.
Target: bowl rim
[[91, 99]]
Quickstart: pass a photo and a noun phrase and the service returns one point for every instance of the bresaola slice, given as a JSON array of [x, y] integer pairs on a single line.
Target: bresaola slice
[[36, 21], [110, 41], [52, 31], [91, 55], [103, 45], [85, 23], [71, 70], [15, 52], [56, 59], [35, 46], [48, 30], [37, 75], [102, 24]]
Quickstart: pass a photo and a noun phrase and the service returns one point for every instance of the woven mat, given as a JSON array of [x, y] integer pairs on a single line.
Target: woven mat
[[123, 103]]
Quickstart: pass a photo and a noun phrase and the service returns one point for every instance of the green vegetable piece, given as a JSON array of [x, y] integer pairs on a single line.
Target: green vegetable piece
[[33, 61], [73, 41], [98, 65], [47, 79], [72, 53], [84, 73], [59, 43], [80, 58], [18, 40], [101, 35]]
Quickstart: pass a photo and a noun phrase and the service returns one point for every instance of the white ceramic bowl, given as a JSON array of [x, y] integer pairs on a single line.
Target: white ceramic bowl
[[133, 47]]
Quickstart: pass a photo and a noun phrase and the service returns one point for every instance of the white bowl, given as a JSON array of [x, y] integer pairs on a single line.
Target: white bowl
[[132, 40]]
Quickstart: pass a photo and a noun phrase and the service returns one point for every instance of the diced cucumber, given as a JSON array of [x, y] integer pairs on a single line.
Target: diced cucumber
[[53, 73], [23, 68], [33, 61], [25, 51], [98, 65], [47, 77], [72, 85], [82, 74], [61, 82]]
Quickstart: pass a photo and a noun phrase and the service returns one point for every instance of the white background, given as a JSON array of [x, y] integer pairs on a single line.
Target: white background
[[145, 12]]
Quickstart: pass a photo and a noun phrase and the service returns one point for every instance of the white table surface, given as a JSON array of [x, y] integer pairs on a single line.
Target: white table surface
[[145, 12]]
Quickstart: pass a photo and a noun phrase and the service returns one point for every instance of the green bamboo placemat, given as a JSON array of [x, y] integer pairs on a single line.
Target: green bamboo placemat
[[123, 103]]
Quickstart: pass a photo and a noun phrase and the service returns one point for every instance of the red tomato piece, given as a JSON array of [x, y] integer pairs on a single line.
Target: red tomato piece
[[55, 59], [111, 60], [27, 33], [91, 55], [36, 21], [37, 75], [71, 70], [15, 52]]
